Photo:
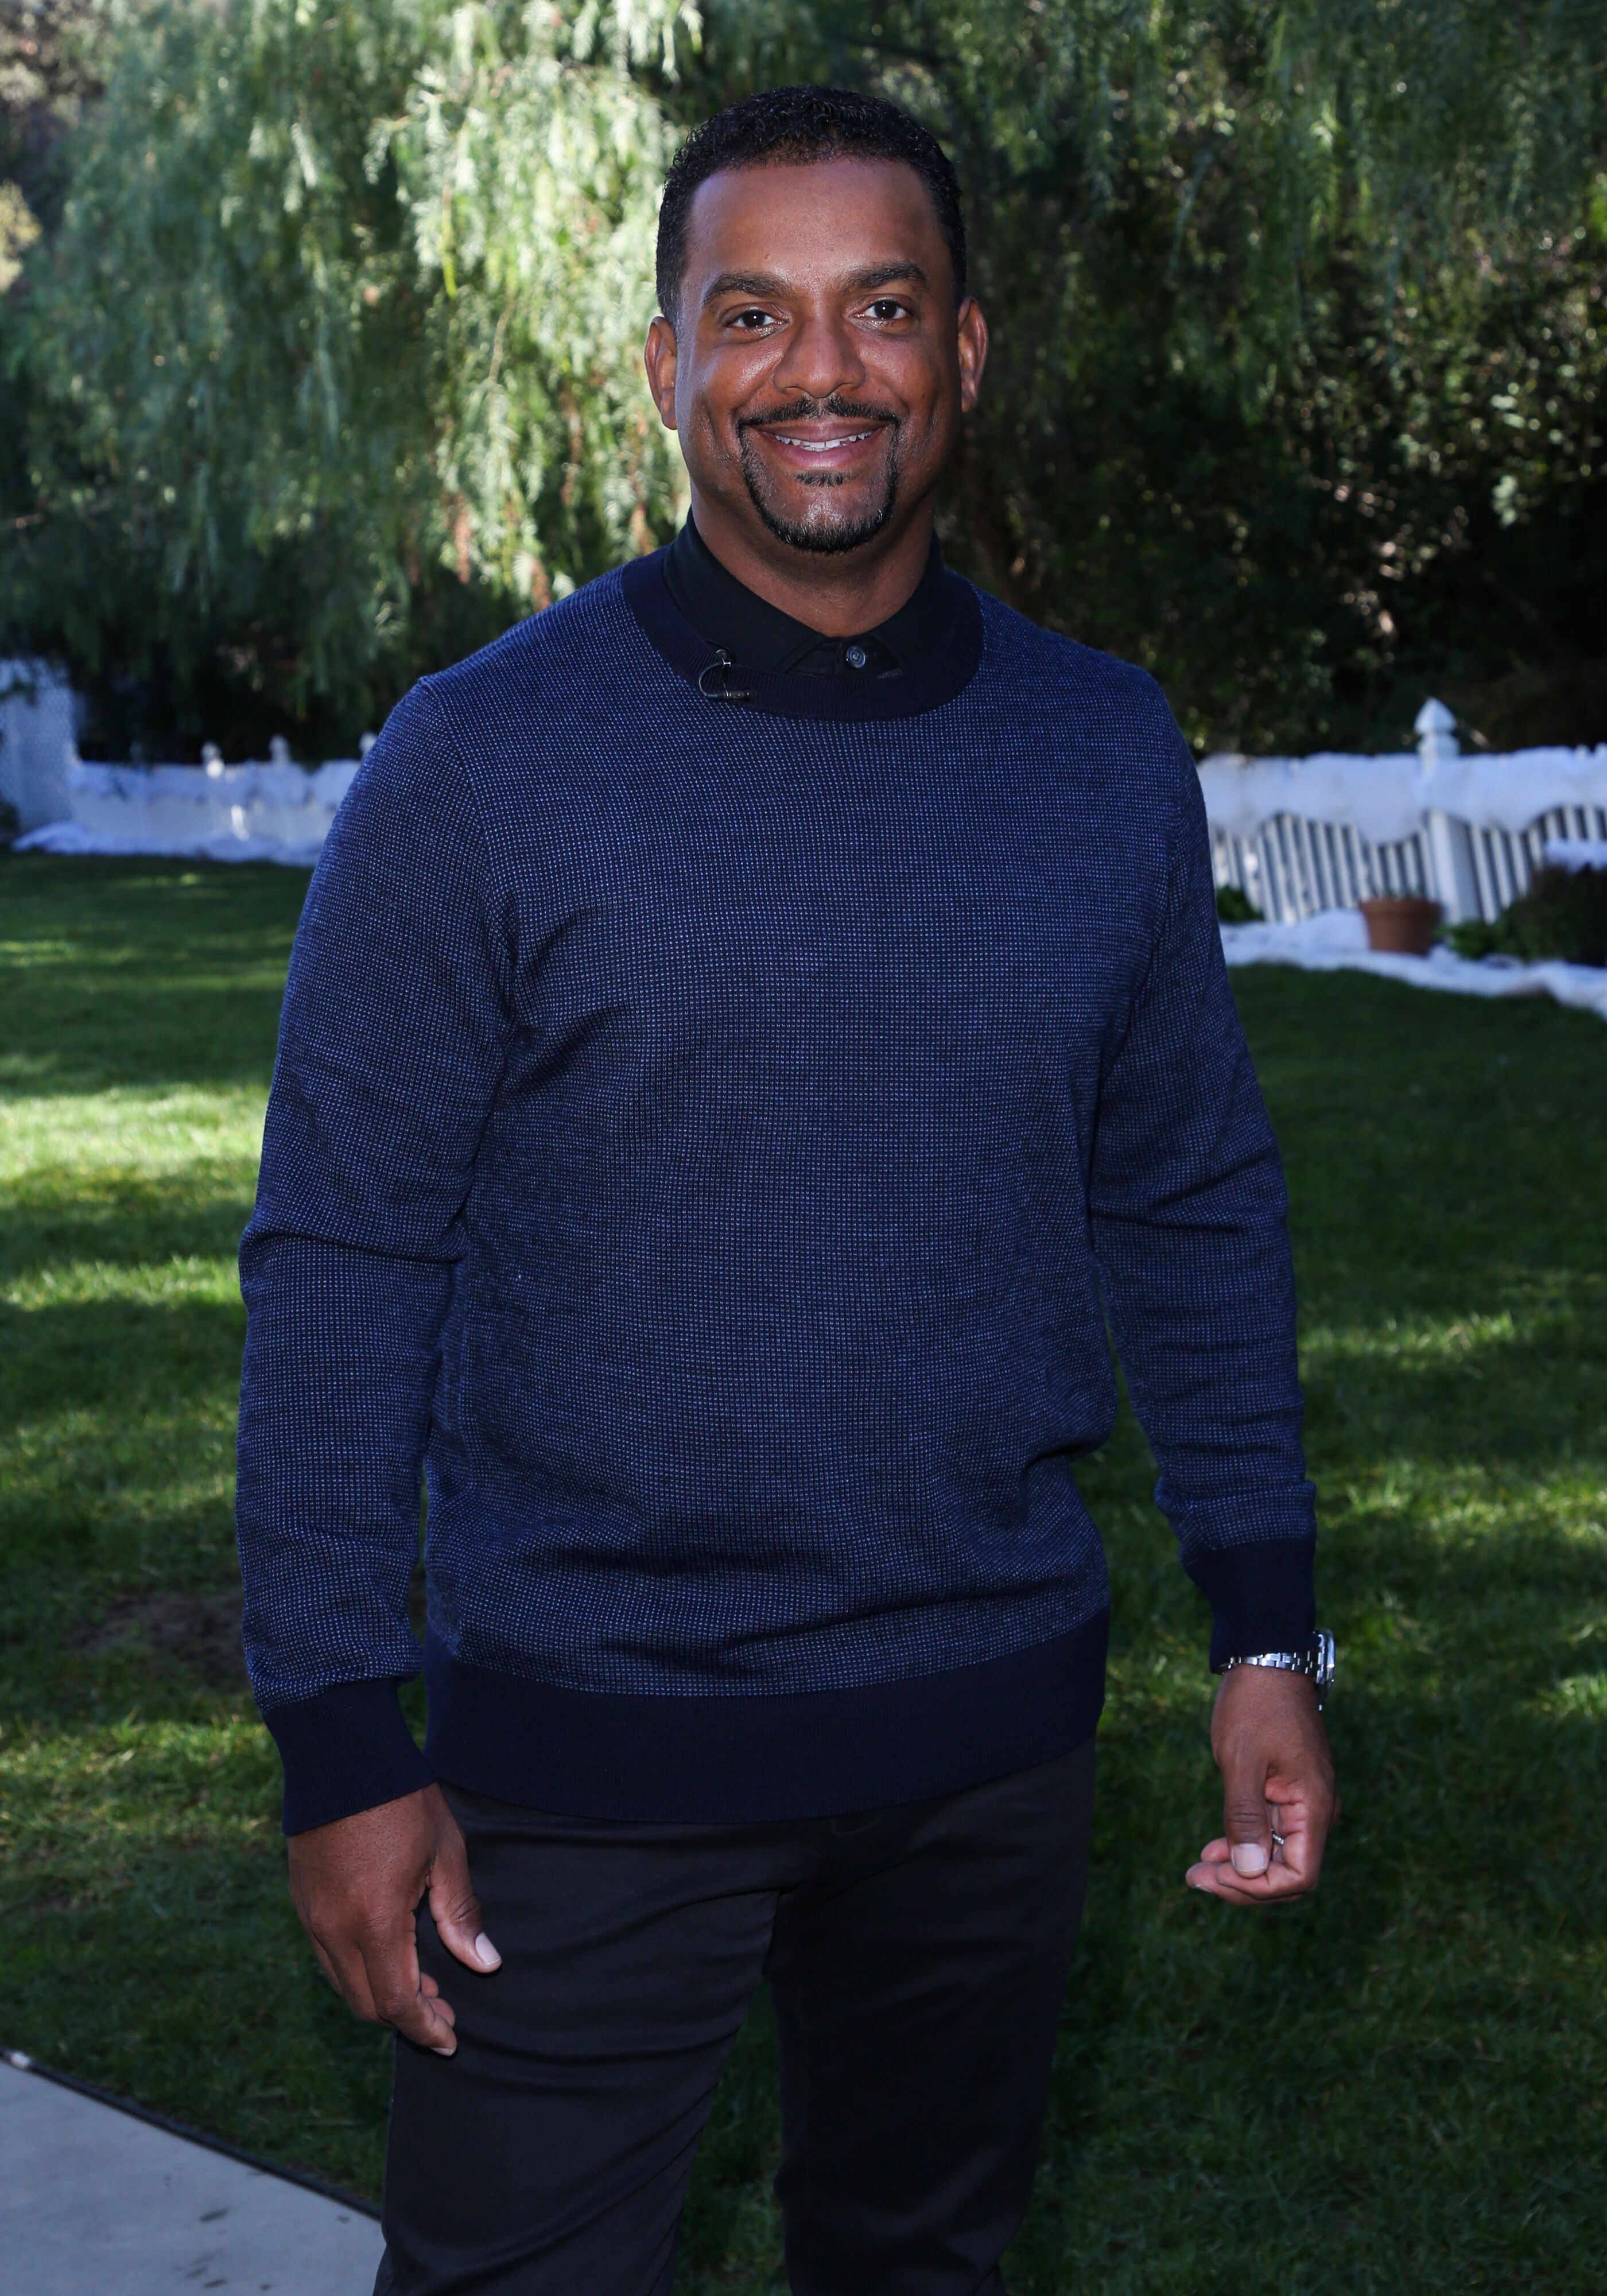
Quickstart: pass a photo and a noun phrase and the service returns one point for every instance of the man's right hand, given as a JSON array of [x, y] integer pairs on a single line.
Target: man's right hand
[[356, 1884]]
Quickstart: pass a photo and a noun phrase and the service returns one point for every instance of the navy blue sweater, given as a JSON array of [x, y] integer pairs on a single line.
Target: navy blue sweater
[[705, 1144]]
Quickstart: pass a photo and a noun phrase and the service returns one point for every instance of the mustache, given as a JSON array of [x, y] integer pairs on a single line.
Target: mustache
[[816, 410]]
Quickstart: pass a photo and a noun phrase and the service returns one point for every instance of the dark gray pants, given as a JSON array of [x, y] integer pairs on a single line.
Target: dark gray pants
[[916, 1959]]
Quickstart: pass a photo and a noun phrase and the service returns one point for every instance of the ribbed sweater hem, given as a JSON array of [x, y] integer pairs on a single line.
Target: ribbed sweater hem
[[740, 1760], [733, 1759]]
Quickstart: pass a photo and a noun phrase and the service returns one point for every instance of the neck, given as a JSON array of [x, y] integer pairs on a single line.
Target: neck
[[839, 596]]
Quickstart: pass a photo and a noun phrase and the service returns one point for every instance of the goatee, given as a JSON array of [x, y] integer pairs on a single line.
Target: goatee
[[818, 531]]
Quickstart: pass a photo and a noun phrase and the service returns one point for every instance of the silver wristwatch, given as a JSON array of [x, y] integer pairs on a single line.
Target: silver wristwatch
[[1315, 1659]]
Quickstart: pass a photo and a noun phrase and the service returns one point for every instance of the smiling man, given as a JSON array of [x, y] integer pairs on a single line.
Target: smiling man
[[748, 1030]]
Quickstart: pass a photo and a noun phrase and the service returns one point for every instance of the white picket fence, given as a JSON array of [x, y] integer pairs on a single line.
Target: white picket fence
[[272, 811], [1302, 835], [1292, 868], [1297, 835]]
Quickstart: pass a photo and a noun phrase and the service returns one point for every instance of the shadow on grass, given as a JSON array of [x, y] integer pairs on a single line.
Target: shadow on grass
[[143, 1230], [180, 1976], [1397, 2086], [1343, 2093], [141, 973], [115, 1357]]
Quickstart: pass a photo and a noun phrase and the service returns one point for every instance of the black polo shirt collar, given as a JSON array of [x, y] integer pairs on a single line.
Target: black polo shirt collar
[[762, 641], [945, 658]]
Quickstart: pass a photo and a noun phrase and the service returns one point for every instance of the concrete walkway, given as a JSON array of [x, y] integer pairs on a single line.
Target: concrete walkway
[[94, 2202]]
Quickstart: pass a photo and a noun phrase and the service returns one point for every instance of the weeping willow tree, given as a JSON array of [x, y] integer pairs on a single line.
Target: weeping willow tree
[[531, 159], [328, 365]]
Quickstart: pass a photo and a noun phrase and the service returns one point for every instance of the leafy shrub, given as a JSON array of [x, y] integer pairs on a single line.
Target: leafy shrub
[[10, 824], [1562, 916], [1235, 908]]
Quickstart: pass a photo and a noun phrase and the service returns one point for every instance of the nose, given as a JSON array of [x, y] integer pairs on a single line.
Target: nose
[[819, 355]]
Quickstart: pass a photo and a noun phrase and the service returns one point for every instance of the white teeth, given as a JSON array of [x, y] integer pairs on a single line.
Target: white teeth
[[823, 445]]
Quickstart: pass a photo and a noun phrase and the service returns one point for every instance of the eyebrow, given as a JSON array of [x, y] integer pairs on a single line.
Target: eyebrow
[[764, 285]]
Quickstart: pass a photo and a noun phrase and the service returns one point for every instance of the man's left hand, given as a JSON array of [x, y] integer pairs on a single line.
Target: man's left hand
[[1277, 1778]]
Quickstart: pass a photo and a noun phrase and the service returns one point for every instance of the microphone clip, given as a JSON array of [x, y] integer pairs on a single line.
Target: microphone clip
[[720, 680]]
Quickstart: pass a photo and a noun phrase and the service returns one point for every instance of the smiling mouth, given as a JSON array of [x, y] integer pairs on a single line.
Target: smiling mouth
[[822, 445]]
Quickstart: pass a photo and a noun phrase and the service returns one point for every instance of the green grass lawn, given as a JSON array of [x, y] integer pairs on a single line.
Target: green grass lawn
[[1399, 2088]]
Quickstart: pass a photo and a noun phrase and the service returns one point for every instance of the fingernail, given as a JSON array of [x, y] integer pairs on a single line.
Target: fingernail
[[1249, 1857], [486, 1952], [440, 2050]]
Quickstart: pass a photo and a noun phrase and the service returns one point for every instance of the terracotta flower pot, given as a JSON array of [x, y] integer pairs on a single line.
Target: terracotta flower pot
[[1403, 924]]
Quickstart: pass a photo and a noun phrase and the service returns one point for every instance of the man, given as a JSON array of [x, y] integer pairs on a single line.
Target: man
[[747, 1029]]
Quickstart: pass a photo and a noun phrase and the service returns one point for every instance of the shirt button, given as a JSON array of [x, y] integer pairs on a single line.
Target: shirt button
[[855, 657]]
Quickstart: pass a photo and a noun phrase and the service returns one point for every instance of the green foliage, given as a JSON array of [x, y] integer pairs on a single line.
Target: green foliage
[[1301, 341], [19, 230], [48, 70], [1235, 908], [532, 163], [1398, 2088], [329, 364], [326, 363], [230, 467], [1564, 914]]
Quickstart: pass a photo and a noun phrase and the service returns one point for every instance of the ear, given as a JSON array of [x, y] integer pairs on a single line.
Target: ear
[[972, 347], [659, 357]]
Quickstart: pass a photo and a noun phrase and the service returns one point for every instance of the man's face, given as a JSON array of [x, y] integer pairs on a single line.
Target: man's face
[[818, 368]]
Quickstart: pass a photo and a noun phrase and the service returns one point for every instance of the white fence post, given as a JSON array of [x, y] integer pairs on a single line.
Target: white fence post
[[37, 722], [1450, 845]]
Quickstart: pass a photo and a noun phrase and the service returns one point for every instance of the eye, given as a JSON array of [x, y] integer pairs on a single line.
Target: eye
[[750, 321], [886, 307]]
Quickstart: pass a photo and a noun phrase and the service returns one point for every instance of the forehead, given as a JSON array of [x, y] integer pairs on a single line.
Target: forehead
[[808, 222]]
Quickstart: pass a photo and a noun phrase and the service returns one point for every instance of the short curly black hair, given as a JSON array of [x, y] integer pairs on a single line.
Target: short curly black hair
[[782, 125]]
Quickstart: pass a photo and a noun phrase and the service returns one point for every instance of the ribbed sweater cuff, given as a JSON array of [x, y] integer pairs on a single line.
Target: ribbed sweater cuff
[[1263, 1597], [347, 1749]]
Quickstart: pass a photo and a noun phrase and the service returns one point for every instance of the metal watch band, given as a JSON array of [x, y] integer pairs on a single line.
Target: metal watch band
[[1316, 1661]]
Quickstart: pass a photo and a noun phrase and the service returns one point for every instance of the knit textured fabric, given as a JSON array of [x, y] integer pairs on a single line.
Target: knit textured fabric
[[705, 1144]]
